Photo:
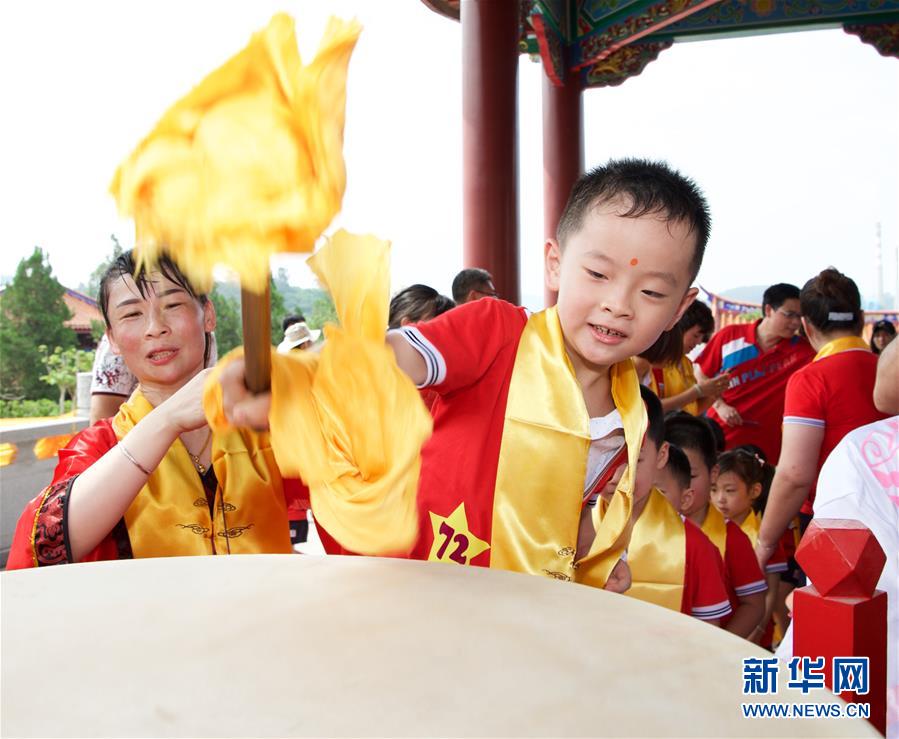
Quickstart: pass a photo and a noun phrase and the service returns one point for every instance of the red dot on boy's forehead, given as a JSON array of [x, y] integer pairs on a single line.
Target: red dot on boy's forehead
[[634, 262]]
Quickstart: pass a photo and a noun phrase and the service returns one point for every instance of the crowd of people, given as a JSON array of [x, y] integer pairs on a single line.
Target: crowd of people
[[580, 443]]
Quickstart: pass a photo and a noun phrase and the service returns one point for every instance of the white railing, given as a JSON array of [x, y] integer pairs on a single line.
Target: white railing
[[28, 469]]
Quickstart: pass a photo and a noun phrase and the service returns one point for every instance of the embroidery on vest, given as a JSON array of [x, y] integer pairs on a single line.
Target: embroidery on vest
[[194, 527]]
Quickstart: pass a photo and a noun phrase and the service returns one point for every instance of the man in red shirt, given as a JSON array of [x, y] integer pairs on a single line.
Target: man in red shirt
[[760, 358]]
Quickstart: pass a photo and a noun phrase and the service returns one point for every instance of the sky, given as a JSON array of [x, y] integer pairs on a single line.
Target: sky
[[794, 137]]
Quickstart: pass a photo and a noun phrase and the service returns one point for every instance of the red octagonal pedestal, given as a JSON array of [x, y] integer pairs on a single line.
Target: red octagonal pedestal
[[841, 614], [841, 557]]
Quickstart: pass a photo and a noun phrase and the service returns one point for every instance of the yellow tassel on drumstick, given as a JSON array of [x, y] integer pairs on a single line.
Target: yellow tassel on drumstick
[[250, 164], [247, 165]]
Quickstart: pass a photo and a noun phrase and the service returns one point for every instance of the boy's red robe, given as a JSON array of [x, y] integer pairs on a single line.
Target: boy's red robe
[[501, 481], [502, 478]]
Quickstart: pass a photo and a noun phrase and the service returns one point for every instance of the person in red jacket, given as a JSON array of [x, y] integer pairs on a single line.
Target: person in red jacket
[[153, 481], [760, 358]]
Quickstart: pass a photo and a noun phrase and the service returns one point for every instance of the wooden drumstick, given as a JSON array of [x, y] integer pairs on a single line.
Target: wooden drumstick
[[255, 312]]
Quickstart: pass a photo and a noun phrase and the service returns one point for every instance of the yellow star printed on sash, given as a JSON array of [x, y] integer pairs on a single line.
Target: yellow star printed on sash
[[453, 540]]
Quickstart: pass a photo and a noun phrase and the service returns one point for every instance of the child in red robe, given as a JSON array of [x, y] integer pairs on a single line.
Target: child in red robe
[[534, 411], [747, 585]]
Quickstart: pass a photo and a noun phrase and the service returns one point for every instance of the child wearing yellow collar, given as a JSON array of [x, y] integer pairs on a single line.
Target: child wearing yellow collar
[[673, 564], [746, 584], [534, 410]]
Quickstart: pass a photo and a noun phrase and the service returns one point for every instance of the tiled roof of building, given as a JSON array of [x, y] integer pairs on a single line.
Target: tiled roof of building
[[84, 310]]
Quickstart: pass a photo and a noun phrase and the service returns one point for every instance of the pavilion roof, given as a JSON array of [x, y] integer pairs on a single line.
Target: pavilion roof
[[604, 42]]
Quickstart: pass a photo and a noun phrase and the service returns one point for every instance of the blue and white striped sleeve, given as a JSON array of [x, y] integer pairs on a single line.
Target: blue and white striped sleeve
[[713, 612], [751, 588], [802, 421]]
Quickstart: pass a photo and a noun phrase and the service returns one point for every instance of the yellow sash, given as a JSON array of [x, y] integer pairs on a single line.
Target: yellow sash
[[843, 344], [348, 421], [657, 554], [715, 527], [678, 379], [543, 463], [170, 516], [750, 526]]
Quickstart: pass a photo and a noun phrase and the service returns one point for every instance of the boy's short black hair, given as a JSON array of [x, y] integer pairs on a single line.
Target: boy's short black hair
[[697, 314], [778, 294], [689, 432], [678, 466], [647, 187], [717, 433], [655, 429], [468, 280]]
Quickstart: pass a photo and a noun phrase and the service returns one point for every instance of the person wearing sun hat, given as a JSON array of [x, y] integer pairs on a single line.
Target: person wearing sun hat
[[298, 336]]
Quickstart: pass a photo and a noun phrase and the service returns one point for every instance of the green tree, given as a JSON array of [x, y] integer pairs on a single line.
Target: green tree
[[228, 329], [63, 366], [287, 296], [277, 311], [322, 312], [98, 328], [228, 322], [92, 287], [282, 279], [32, 312]]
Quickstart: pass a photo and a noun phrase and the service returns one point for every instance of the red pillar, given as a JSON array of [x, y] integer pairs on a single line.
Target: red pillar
[[490, 140], [563, 153]]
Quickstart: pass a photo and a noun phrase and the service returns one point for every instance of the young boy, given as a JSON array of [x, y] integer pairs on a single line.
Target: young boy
[[536, 411], [672, 563], [674, 479], [745, 583]]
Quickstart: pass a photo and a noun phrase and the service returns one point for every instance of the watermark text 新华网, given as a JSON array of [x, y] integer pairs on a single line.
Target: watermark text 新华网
[[849, 675]]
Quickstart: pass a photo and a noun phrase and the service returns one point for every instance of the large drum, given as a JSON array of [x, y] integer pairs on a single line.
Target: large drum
[[280, 645]]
